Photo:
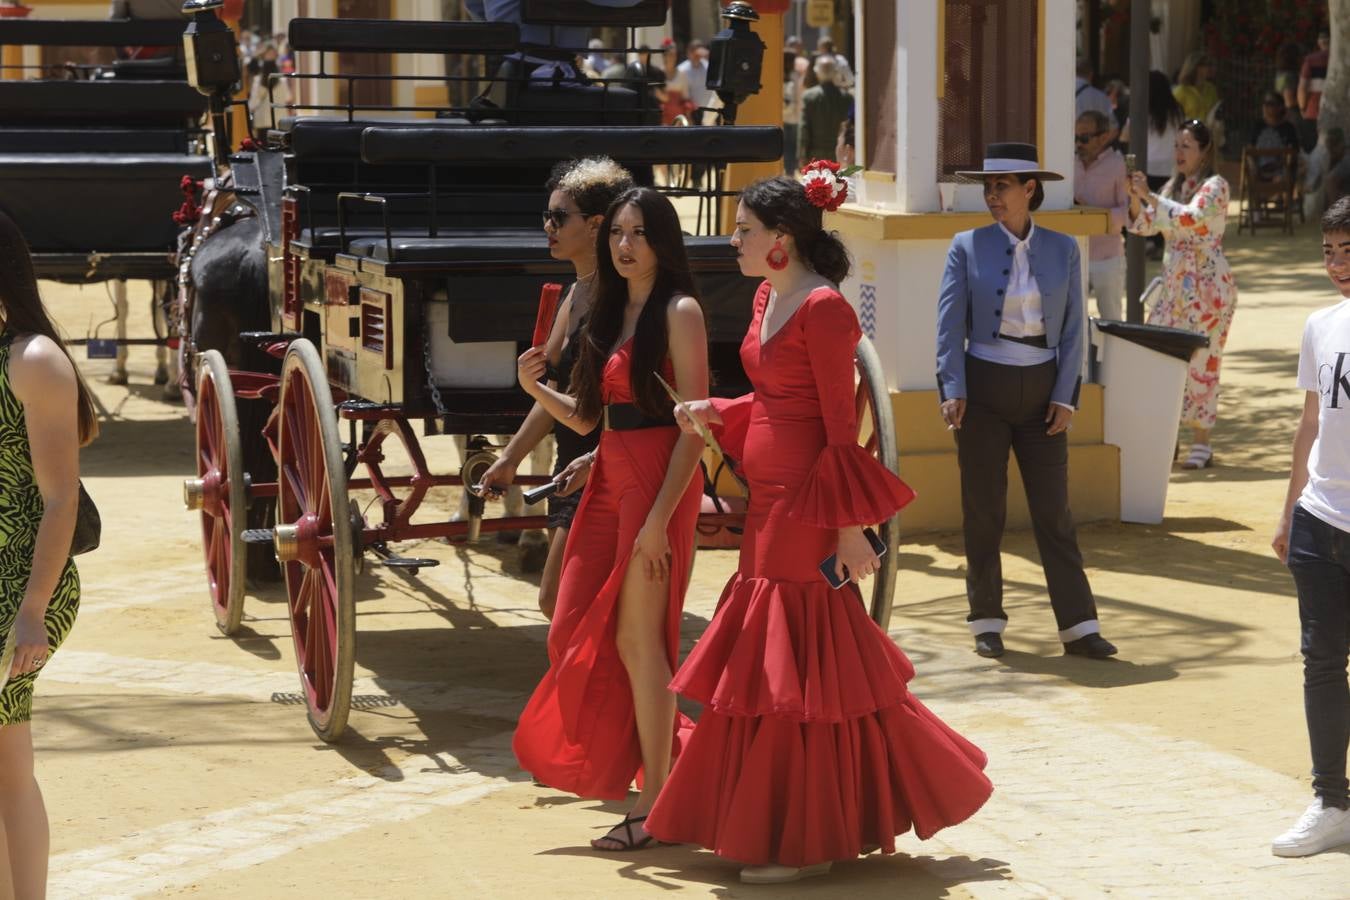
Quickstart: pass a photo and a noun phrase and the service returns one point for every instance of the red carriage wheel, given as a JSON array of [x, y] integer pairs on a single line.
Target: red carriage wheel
[[218, 490], [876, 433], [314, 540]]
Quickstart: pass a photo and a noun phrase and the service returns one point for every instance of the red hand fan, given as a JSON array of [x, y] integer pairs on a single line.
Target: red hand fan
[[549, 295]]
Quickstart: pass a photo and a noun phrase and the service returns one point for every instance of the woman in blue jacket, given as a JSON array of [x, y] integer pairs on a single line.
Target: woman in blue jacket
[[1009, 352]]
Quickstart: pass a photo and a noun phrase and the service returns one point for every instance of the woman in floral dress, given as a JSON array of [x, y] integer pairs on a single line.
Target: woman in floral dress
[[1198, 293]]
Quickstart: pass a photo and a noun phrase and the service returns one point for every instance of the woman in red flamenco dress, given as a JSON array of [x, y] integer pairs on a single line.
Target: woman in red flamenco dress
[[604, 709], [810, 748]]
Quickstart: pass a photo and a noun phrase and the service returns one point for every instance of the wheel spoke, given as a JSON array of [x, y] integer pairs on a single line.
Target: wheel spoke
[[299, 489], [319, 654]]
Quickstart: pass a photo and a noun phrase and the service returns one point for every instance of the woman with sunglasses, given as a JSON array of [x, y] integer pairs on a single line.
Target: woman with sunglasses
[[1198, 293], [579, 193], [604, 711]]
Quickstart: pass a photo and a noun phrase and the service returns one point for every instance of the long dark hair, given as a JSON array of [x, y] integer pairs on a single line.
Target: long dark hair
[[23, 312], [1163, 108], [651, 339], [780, 203]]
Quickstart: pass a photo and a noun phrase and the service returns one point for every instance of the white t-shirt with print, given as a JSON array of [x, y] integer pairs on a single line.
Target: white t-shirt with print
[[1324, 367]]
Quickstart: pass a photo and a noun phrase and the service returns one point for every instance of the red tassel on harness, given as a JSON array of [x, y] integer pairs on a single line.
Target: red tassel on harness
[[191, 210]]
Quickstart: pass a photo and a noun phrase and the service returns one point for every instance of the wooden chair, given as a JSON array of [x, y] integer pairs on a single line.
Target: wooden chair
[[1266, 200]]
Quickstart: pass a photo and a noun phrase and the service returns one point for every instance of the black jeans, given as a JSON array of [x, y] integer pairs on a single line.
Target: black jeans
[[1319, 558]]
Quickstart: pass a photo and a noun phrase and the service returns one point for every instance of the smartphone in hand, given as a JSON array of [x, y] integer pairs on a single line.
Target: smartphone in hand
[[827, 567]]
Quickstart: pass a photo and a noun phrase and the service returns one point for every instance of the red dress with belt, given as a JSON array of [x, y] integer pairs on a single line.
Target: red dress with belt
[[578, 732], [810, 747]]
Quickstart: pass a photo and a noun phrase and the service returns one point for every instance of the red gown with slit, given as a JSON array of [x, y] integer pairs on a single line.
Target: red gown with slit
[[810, 746], [578, 732]]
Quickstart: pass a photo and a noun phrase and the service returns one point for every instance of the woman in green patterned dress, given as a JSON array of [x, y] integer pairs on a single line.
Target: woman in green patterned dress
[[46, 415]]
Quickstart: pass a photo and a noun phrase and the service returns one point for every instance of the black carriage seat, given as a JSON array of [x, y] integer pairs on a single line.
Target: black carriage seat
[[326, 159], [468, 145], [86, 202], [109, 102], [29, 139], [339, 138], [92, 32], [500, 258]]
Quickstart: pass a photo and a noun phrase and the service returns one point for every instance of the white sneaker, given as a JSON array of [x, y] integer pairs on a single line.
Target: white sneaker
[[1319, 828]]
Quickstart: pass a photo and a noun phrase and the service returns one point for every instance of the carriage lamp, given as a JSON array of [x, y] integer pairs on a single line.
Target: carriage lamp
[[736, 56], [211, 49]]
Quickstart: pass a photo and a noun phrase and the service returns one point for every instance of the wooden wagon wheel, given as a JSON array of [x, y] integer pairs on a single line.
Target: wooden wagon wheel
[[313, 544], [876, 433], [218, 491]]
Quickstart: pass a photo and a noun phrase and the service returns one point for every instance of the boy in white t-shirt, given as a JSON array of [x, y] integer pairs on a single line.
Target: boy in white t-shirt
[[1313, 539]]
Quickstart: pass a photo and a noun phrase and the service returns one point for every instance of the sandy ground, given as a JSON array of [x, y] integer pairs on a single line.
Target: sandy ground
[[178, 762]]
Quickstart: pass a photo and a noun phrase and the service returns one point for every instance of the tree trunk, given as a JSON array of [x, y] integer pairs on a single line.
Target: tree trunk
[[1336, 93]]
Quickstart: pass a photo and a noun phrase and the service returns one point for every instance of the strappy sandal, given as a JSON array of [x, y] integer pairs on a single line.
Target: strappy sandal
[[627, 843], [1202, 457]]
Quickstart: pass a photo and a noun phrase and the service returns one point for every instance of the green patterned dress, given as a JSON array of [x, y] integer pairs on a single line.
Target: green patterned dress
[[20, 515]]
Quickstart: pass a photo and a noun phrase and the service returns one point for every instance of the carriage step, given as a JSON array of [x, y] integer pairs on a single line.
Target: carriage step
[[257, 536], [409, 563]]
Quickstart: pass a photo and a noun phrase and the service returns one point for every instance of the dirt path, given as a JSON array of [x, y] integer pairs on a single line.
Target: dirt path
[[178, 762]]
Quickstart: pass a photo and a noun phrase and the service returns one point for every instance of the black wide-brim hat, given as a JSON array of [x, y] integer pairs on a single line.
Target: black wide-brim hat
[[1011, 158]]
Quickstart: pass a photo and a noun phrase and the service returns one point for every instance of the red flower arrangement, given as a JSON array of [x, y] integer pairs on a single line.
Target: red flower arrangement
[[825, 184]]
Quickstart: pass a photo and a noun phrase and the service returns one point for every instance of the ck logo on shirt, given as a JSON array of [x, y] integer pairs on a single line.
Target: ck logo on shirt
[[1337, 393]]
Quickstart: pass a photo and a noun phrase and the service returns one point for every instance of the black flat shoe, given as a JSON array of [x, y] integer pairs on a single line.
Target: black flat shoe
[[990, 644], [1093, 646]]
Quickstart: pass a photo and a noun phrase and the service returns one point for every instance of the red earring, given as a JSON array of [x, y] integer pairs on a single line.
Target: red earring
[[777, 258]]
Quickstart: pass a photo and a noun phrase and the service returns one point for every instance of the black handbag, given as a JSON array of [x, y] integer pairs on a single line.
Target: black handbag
[[88, 525]]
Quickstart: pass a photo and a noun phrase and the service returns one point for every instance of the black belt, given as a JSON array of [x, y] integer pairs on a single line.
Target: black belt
[[627, 417], [1035, 340]]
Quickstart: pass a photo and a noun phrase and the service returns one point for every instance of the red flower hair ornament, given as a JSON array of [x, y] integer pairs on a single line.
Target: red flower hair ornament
[[823, 181]]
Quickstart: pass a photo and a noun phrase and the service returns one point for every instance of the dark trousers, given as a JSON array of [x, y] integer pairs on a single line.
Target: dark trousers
[[1319, 558], [1005, 409]]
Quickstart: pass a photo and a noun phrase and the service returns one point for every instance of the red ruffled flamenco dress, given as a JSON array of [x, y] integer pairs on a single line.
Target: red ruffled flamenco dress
[[578, 732], [809, 747]]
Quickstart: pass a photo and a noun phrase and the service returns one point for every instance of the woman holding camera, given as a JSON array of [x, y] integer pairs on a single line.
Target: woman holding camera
[[1198, 292]]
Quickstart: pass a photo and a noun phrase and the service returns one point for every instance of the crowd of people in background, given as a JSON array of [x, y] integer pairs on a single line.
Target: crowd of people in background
[[818, 104]]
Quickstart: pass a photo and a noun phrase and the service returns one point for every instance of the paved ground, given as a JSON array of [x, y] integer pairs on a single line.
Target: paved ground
[[177, 762]]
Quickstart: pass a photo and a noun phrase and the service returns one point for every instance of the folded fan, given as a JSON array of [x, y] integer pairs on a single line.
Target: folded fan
[[549, 295]]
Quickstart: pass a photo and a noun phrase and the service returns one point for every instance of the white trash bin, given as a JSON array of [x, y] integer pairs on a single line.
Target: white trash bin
[[1143, 374]]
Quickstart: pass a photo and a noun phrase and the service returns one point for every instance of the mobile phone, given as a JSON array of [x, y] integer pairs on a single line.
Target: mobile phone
[[535, 494], [827, 567], [1131, 163]]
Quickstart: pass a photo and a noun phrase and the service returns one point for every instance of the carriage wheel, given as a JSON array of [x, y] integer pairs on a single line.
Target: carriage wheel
[[218, 490], [313, 539], [876, 433]]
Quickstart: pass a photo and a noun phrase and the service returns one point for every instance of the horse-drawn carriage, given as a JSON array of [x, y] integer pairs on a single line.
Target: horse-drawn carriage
[[93, 150], [406, 260]]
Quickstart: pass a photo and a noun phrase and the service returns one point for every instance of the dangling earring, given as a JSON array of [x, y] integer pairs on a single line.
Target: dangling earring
[[777, 258]]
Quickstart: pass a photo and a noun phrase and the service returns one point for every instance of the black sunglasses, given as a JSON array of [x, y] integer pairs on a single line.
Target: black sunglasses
[[558, 216], [1084, 138]]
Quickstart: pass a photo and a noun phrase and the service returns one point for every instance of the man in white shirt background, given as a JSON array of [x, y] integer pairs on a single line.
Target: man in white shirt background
[[694, 74]]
